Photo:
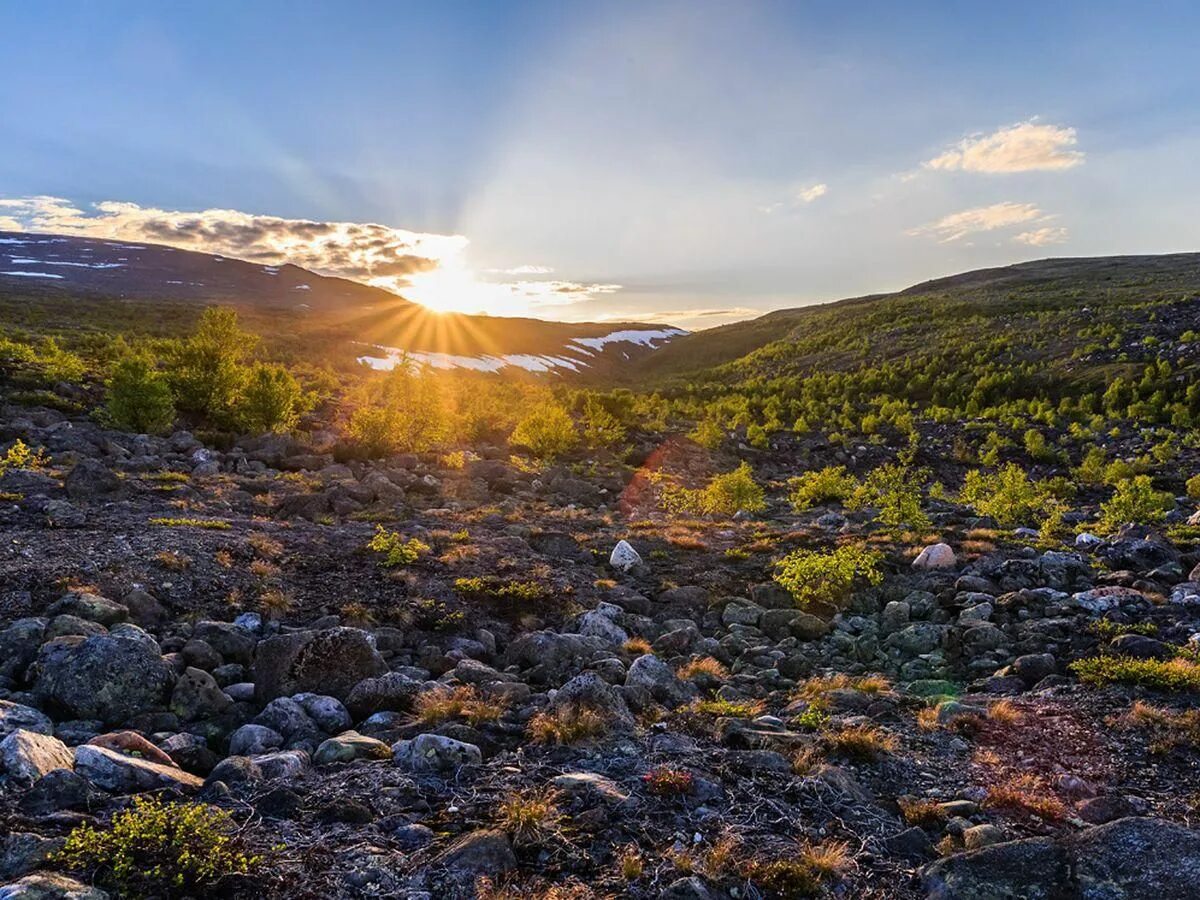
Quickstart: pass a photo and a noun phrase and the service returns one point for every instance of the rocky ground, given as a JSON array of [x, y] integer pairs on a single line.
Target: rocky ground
[[515, 703]]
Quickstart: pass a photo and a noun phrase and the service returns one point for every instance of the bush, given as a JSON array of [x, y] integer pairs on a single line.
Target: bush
[[271, 400], [547, 431], [402, 411], [826, 579], [396, 551], [139, 397], [600, 427], [894, 490], [1168, 675], [833, 484], [1008, 495], [160, 849], [1193, 487], [209, 370], [1135, 500], [724, 495]]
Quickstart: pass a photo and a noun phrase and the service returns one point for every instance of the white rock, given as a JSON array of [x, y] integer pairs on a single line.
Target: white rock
[[1086, 539], [25, 756], [936, 556], [624, 557]]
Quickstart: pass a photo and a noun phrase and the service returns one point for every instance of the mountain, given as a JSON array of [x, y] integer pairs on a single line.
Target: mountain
[[1024, 288], [64, 274]]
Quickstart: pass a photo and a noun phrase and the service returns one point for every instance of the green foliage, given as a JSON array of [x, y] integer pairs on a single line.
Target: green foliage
[[1193, 487], [724, 495], [600, 427], [490, 587], [1167, 675], [271, 400], [1008, 495], [708, 433], [1135, 500], [894, 490], [139, 396], [400, 411], [816, 579], [395, 549], [157, 849], [207, 524], [208, 371], [547, 431], [832, 484], [21, 456]]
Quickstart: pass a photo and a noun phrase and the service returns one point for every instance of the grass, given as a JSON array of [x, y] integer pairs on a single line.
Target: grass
[[1167, 728], [819, 685], [1028, 794], [1167, 675], [466, 703], [209, 524], [925, 813], [665, 781], [730, 709], [703, 667], [567, 725], [530, 817], [636, 646], [863, 743]]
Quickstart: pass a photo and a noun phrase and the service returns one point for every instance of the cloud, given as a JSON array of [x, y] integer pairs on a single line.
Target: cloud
[[691, 319], [981, 218], [522, 270], [809, 194], [1025, 147], [1039, 237]]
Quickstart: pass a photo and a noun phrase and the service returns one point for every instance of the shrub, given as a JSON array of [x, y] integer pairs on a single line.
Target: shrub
[[894, 490], [547, 431], [600, 427], [665, 781], [724, 495], [160, 849], [467, 703], [208, 371], [1135, 500], [729, 709], [139, 397], [20, 456], [395, 549], [708, 433], [1008, 495], [826, 579], [832, 484], [1167, 675], [861, 742], [568, 724], [1026, 793], [402, 411], [1193, 487], [271, 400]]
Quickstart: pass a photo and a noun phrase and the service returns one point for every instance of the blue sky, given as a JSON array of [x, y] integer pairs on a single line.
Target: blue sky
[[689, 162]]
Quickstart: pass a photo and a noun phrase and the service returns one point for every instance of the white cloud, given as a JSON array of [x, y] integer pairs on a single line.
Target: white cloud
[[981, 218], [522, 270], [1025, 147], [809, 194], [1039, 237]]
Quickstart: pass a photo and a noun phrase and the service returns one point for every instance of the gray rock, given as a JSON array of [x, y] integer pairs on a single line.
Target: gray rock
[[1032, 869], [390, 692], [91, 479], [232, 641], [623, 557], [89, 606], [435, 753], [105, 677], [19, 644], [121, 774], [198, 696], [26, 756], [349, 746], [479, 853], [50, 886], [251, 740], [14, 716], [1138, 859], [330, 662], [328, 712], [654, 675]]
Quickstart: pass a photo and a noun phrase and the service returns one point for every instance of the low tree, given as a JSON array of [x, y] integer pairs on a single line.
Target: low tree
[[139, 396]]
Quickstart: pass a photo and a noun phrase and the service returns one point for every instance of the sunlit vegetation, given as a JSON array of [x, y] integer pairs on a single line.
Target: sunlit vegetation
[[723, 496], [1178, 674], [817, 579], [395, 550]]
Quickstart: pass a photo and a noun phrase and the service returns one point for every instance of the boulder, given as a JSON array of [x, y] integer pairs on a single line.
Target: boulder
[[86, 605], [435, 753], [623, 557], [19, 644], [50, 886], [91, 479], [390, 692], [120, 774], [936, 556], [1031, 869], [349, 746], [252, 740], [652, 674], [329, 662], [231, 640], [198, 696], [106, 677], [479, 853], [1138, 859], [14, 716], [25, 756]]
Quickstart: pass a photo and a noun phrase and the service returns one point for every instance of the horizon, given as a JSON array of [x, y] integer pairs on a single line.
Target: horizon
[[682, 164]]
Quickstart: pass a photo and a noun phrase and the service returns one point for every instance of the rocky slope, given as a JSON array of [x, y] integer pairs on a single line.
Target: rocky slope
[[499, 697]]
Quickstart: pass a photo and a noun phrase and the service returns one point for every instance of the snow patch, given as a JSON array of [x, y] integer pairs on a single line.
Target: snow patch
[[644, 337], [32, 274]]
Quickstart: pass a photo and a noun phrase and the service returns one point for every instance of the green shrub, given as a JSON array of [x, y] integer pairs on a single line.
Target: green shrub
[[833, 484], [894, 490], [600, 427], [827, 579], [139, 397], [396, 551], [271, 400], [157, 849], [1168, 675], [1135, 500], [399, 412], [1193, 487], [724, 495], [708, 433], [547, 431], [1008, 495], [209, 371]]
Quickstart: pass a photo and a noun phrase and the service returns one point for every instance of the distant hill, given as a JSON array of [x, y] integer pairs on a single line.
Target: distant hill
[[67, 276], [1047, 283]]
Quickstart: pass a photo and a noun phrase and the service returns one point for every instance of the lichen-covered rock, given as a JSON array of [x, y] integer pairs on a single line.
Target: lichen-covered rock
[[25, 756], [121, 774], [19, 644], [328, 662], [107, 677], [50, 886], [14, 716], [390, 692], [435, 753], [349, 746]]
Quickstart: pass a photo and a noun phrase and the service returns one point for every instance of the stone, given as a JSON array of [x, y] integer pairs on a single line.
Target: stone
[[50, 886], [1099, 810], [26, 756], [19, 644], [936, 556], [22, 851], [331, 662], [64, 514], [144, 609], [105, 677], [1140, 646], [1146, 858], [86, 605], [978, 836], [1031, 869], [589, 690], [132, 744], [329, 713], [435, 753], [654, 675], [231, 640], [120, 774], [485, 852], [251, 740], [390, 692], [91, 479], [623, 557], [198, 696], [1033, 667], [58, 790], [15, 716], [349, 746]]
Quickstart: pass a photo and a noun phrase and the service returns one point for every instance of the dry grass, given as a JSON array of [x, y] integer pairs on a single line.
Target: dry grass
[[1026, 793], [274, 603], [636, 646], [264, 570], [265, 545], [1167, 728], [828, 860], [865, 743], [927, 718], [1005, 712], [570, 724], [806, 760], [530, 817], [631, 863], [467, 703], [173, 560], [224, 559], [703, 667], [920, 812], [820, 685]]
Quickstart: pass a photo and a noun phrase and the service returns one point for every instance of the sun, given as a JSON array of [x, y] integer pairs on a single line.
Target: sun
[[455, 288]]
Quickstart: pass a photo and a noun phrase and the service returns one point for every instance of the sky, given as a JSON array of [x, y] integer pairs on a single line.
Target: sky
[[690, 163]]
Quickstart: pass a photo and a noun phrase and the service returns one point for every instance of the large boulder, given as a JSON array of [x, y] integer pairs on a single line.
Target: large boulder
[[329, 662], [1138, 859], [107, 677], [14, 716], [1031, 869], [197, 696], [435, 753], [121, 774], [390, 692], [349, 746], [19, 644], [89, 606], [651, 674], [91, 479]]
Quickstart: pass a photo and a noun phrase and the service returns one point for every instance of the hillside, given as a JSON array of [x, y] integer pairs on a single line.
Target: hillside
[[62, 283], [1063, 285]]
